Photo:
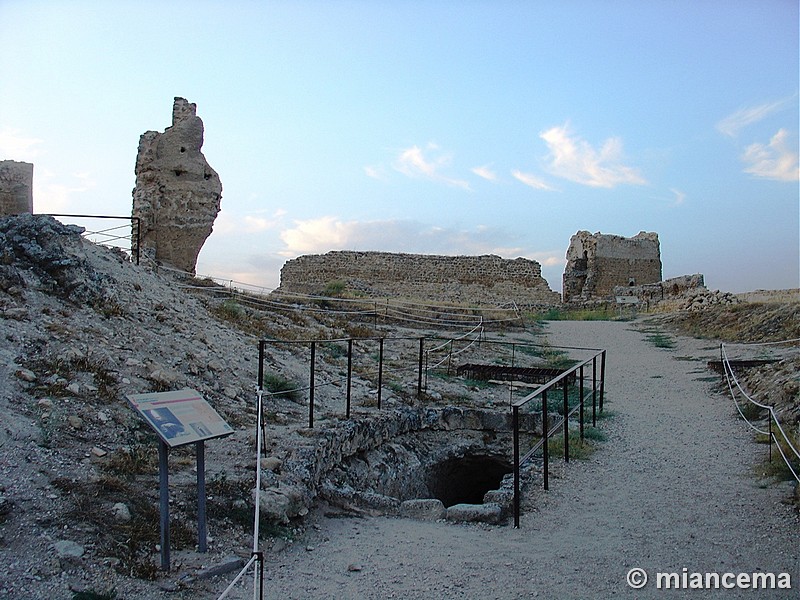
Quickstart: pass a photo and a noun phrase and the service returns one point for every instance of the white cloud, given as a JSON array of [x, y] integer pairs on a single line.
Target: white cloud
[[376, 172], [776, 160], [550, 259], [15, 146], [228, 223], [317, 236], [532, 181], [486, 172], [576, 160], [733, 123], [413, 162], [53, 196], [679, 197]]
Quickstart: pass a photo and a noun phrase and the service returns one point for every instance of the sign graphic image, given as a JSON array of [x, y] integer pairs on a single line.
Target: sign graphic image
[[180, 417]]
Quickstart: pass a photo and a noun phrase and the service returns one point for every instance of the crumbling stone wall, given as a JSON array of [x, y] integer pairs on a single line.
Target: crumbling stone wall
[[177, 194], [16, 188], [651, 294], [597, 263], [461, 279]]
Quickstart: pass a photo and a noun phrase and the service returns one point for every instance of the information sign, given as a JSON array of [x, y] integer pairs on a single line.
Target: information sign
[[180, 417]]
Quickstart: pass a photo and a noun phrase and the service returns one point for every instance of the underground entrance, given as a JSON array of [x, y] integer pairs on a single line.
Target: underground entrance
[[454, 464], [466, 480]]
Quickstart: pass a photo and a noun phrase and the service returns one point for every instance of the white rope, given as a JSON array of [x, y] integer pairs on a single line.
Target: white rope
[[238, 577], [786, 460], [731, 376]]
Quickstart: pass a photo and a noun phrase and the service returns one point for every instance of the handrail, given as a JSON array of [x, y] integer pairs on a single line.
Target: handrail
[[547, 432]]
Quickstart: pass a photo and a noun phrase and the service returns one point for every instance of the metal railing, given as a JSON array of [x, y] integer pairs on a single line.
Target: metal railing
[[110, 235], [547, 431], [425, 361], [775, 432]]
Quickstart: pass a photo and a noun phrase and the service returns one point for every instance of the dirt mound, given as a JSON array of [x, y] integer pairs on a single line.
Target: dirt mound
[[743, 323]]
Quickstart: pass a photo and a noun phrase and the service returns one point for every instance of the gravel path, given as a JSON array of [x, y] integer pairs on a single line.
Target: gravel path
[[675, 487]]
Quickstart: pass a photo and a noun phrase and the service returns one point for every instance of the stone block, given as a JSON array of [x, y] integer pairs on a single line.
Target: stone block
[[491, 513], [423, 509]]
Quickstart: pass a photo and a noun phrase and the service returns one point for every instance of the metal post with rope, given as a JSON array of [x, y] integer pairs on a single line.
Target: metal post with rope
[[257, 555], [732, 381]]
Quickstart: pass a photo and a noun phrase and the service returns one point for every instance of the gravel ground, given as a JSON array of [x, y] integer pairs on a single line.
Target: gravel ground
[[676, 487]]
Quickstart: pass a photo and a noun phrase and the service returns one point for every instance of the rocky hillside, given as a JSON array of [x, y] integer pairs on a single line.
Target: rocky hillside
[[81, 328]]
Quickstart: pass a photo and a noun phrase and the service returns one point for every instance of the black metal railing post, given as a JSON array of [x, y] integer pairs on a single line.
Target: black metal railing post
[[515, 429], [511, 383], [594, 391], [349, 374], [566, 420], [449, 357], [545, 448], [261, 364], [380, 372], [138, 237], [602, 378], [311, 385], [771, 437], [419, 373], [581, 396]]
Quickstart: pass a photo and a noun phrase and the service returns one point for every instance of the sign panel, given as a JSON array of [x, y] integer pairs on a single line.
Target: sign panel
[[180, 417], [627, 300]]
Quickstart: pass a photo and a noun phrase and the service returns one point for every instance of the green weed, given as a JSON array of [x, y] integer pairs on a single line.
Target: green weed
[[661, 340], [279, 385]]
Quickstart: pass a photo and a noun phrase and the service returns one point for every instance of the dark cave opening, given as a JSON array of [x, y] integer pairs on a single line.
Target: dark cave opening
[[466, 480]]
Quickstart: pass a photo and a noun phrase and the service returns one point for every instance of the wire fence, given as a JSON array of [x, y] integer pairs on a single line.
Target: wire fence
[[125, 236], [775, 431]]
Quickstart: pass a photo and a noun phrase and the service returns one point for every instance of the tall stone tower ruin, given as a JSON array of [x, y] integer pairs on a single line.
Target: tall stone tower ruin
[[177, 194], [597, 263], [16, 188]]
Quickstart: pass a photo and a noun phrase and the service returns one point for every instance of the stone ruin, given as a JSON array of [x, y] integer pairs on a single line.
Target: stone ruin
[[16, 188], [597, 264], [177, 194], [461, 279]]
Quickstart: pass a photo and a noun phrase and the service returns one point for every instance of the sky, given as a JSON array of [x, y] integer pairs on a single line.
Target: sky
[[455, 127]]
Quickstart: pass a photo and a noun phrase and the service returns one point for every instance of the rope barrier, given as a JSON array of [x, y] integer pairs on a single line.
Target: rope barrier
[[730, 377]]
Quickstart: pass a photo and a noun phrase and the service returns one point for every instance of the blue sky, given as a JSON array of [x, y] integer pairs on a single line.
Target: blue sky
[[440, 127]]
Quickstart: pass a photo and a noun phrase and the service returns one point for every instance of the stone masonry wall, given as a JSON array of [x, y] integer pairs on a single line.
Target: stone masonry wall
[[461, 279], [597, 263], [177, 194], [16, 185]]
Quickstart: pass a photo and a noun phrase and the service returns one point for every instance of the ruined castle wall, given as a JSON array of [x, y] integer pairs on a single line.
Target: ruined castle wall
[[177, 194], [651, 294], [597, 263], [16, 188], [460, 279]]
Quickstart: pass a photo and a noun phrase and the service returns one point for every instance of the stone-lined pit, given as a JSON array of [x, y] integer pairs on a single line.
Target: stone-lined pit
[[451, 463]]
